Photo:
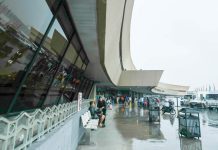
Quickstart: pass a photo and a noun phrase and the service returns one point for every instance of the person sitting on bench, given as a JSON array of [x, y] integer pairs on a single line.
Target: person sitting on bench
[[96, 113]]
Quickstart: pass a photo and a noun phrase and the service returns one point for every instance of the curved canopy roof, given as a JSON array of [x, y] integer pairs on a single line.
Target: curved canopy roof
[[104, 29], [170, 89]]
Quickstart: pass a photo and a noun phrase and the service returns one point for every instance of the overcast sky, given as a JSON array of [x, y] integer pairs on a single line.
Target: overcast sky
[[179, 37]]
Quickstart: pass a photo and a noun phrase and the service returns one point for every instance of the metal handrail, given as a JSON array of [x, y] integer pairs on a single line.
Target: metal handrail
[[21, 130]]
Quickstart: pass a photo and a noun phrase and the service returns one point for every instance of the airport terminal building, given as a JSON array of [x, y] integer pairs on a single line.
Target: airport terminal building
[[51, 50]]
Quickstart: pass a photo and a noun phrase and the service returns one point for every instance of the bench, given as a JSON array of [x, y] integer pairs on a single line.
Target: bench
[[89, 124]]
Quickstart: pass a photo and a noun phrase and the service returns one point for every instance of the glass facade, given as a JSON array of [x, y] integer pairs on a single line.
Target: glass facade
[[42, 59]]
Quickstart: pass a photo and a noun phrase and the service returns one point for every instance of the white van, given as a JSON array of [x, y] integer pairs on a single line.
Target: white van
[[210, 98]]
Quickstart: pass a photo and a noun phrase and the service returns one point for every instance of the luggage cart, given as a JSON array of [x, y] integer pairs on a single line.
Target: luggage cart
[[189, 123]]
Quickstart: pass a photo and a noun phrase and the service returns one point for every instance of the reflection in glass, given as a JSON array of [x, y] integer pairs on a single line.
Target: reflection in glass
[[84, 67], [18, 41], [44, 69], [169, 117], [133, 126], [56, 73], [190, 144], [66, 80], [212, 118], [71, 55], [71, 88], [154, 131], [76, 43], [88, 89], [79, 62]]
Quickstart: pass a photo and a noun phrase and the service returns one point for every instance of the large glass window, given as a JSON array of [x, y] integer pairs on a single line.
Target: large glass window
[[81, 87], [84, 67], [76, 43], [72, 86], [79, 62], [88, 89], [62, 72], [46, 69], [54, 75], [22, 24], [71, 55]]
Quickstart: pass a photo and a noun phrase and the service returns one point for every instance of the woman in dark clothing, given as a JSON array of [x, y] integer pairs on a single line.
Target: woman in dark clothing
[[102, 106]]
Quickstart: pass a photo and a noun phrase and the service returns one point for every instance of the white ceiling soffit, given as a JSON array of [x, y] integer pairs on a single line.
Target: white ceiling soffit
[[167, 92], [140, 78], [85, 19], [173, 87], [170, 89]]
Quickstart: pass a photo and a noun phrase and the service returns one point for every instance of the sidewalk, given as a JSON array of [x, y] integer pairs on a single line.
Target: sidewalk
[[107, 138], [129, 129]]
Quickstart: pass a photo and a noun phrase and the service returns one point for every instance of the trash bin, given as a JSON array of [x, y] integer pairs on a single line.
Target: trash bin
[[189, 123], [154, 114]]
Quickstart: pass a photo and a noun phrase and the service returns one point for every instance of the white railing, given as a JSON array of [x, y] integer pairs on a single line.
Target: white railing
[[21, 131]]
